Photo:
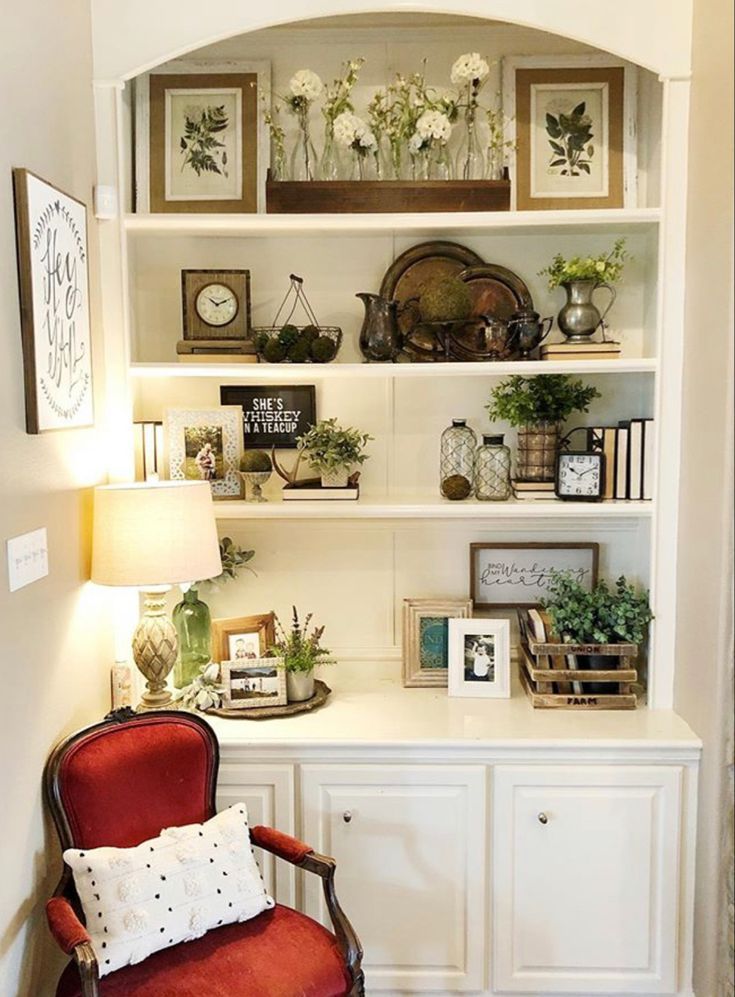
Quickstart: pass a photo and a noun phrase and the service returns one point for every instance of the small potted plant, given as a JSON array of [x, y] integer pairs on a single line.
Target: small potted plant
[[301, 651], [602, 616], [580, 277], [255, 469], [537, 406], [333, 451]]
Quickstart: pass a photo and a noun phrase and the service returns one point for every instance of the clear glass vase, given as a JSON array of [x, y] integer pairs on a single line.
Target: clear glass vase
[[303, 157], [330, 166], [494, 164], [492, 470], [440, 167], [360, 168], [470, 160], [457, 460], [193, 624]]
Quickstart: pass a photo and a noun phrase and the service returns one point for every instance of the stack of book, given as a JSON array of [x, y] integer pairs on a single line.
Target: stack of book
[[534, 490], [629, 458], [580, 351]]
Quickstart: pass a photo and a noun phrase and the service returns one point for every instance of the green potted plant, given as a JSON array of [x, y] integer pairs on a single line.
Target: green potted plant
[[301, 651], [580, 277], [537, 406], [333, 451], [602, 616]]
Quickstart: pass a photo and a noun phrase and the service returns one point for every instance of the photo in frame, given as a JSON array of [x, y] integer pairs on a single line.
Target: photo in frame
[[507, 575], [242, 638], [201, 144], [273, 415], [51, 238], [426, 639], [479, 658], [205, 445], [573, 129], [253, 683]]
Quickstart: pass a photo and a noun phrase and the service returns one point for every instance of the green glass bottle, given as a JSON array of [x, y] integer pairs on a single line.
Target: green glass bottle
[[193, 624]]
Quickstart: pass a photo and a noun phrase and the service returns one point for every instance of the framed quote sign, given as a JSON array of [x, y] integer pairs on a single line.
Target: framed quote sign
[[273, 415], [506, 575], [51, 235]]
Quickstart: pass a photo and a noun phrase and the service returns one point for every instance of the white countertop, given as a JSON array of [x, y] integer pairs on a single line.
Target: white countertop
[[369, 707]]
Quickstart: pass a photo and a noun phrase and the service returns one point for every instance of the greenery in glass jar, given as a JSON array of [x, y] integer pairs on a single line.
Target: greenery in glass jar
[[527, 401], [329, 447], [301, 651], [618, 615], [607, 268]]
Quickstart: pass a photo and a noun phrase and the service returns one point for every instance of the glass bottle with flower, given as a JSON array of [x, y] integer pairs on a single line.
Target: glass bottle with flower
[[428, 146], [380, 120], [278, 139], [337, 100], [469, 73], [498, 147], [351, 132], [305, 87]]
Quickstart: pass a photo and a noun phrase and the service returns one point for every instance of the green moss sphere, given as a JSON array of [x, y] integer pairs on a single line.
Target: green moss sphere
[[456, 487], [323, 349], [299, 352], [261, 341], [288, 335], [446, 300], [310, 333], [274, 351], [255, 460]]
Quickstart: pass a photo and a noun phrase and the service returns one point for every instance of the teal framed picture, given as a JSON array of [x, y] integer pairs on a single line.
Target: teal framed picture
[[426, 639]]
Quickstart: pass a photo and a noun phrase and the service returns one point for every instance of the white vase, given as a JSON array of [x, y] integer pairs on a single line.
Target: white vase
[[299, 686], [335, 479]]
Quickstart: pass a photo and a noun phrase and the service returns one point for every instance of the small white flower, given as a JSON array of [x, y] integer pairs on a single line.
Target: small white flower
[[367, 140], [415, 143], [600, 266], [434, 125], [470, 66], [306, 84]]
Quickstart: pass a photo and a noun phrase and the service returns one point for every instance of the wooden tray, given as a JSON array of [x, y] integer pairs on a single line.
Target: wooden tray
[[321, 694]]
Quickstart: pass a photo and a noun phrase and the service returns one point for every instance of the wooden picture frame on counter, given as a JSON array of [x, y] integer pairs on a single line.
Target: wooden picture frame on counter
[[242, 638], [426, 639], [509, 575]]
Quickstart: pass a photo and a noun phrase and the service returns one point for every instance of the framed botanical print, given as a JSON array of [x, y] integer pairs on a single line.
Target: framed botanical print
[[508, 575], [426, 639], [479, 658], [206, 445], [51, 236], [200, 143], [242, 638], [575, 136], [255, 683]]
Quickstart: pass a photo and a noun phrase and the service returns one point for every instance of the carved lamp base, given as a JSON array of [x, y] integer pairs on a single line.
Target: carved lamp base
[[155, 646]]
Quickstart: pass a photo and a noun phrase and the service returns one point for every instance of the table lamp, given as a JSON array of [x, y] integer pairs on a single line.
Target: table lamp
[[152, 536]]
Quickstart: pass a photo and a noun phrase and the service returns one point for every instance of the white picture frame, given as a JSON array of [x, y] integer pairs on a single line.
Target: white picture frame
[[184, 432], [253, 684], [511, 64], [261, 68], [479, 658]]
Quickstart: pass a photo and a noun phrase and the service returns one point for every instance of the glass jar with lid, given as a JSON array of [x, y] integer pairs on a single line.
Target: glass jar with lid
[[492, 470], [457, 460]]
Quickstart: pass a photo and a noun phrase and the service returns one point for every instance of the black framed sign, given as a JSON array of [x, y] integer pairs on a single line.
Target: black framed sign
[[273, 415]]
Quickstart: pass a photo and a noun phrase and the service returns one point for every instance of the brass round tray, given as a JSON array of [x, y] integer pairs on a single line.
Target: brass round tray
[[321, 694]]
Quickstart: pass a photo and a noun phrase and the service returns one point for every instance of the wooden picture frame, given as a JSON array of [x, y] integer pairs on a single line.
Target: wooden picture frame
[[273, 415], [426, 639], [533, 87], [53, 284], [226, 632], [523, 569], [479, 658], [193, 326], [239, 84], [253, 684], [185, 430]]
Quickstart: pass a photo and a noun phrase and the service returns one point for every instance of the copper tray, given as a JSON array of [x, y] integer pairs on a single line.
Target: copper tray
[[321, 694]]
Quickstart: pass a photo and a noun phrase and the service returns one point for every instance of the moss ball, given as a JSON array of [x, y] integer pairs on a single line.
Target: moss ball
[[456, 487], [299, 352], [261, 341], [323, 349], [446, 300], [255, 460], [288, 335], [310, 333], [274, 351]]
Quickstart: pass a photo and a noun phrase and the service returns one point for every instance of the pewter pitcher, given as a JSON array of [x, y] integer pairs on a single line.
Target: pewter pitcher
[[380, 337], [580, 317]]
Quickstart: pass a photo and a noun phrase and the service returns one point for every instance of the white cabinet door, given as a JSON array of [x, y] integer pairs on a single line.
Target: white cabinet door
[[268, 792], [586, 879], [410, 845]]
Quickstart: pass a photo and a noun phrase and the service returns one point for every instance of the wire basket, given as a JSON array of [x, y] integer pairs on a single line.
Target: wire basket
[[286, 342]]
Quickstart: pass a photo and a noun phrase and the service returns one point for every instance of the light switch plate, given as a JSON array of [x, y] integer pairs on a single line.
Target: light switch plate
[[27, 558]]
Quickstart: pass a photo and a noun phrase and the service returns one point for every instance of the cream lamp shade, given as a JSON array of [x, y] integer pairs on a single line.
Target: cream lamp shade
[[147, 534]]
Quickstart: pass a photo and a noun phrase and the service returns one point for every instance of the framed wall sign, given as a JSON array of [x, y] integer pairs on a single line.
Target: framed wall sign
[[479, 658], [215, 304], [200, 143], [574, 119], [51, 235], [506, 575], [253, 683], [273, 415], [426, 639], [205, 445]]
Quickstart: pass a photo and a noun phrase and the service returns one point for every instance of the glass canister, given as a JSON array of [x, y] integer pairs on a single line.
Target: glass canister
[[193, 624], [457, 460], [492, 470]]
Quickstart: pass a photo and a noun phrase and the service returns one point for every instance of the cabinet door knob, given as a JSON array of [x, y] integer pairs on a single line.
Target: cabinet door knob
[[347, 816], [543, 818]]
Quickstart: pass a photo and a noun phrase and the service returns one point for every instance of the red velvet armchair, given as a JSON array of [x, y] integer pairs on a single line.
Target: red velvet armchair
[[123, 781]]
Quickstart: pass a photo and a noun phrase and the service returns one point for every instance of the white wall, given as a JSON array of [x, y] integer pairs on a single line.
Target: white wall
[[702, 693], [55, 643]]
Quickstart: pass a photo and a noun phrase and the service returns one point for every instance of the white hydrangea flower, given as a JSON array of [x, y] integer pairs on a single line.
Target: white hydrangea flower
[[433, 125], [306, 84], [470, 66], [344, 128], [367, 140], [415, 143]]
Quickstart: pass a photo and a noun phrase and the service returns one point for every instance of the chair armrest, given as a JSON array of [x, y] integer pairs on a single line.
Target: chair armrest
[[65, 926], [283, 845]]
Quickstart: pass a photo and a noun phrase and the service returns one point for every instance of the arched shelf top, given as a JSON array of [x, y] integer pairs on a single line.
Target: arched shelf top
[[133, 37]]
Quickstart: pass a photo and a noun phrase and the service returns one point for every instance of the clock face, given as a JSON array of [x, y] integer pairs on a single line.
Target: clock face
[[216, 304], [580, 476]]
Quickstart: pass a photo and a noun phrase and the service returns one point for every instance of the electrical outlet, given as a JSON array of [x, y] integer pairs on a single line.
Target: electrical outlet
[[27, 558]]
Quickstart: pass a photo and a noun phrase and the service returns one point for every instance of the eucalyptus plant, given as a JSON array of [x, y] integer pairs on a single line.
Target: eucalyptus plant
[[329, 447], [526, 401], [605, 615], [205, 692], [233, 558]]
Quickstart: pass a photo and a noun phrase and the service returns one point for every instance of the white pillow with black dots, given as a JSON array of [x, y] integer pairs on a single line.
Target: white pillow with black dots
[[170, 889]]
